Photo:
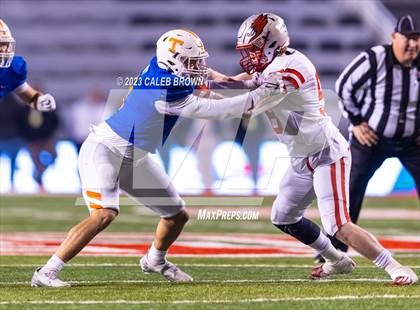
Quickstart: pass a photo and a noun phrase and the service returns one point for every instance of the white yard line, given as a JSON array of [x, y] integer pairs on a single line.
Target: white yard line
[[407, 255], [214, 301], [213, 281], [191, 265]]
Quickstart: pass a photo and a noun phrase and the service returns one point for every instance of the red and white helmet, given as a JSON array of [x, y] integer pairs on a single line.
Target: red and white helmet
[[261, 38], [7, 45], [183, 52]]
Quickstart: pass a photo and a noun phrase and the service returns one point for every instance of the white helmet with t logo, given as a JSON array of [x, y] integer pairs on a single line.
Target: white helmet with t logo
[[182, 52]]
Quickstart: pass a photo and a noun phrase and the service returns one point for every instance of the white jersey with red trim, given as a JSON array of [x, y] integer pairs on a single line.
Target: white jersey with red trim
[[300, 120]]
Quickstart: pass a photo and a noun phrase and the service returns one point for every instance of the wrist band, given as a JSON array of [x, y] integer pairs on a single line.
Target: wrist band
[[34, 100]]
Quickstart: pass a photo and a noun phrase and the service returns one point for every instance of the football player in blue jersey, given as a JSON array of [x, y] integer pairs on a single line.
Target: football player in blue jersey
[[116, 153], [13, 72]]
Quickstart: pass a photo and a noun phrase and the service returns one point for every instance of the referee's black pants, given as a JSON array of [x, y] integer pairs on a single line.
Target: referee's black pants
[[366, 160]]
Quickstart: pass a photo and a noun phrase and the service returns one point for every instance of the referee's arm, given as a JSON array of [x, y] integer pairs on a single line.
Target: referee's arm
[[351, 88]]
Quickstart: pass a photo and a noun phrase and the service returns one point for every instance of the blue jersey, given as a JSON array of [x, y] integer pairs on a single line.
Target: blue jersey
[[138, 121], [13, 76]]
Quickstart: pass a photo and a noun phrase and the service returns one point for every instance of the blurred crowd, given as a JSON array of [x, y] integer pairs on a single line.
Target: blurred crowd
[[39, 132]]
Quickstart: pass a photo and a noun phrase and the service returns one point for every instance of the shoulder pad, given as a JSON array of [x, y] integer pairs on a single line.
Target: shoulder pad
[[19, 66]]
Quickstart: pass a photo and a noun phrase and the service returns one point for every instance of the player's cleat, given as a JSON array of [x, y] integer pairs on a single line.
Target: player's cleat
[[403, 276], [167, 269], [343, 266], [47, 280]]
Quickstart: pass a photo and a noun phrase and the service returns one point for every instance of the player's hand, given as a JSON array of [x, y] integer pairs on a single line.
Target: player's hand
[[365, 135], [269, 94], [45, 103], [273, 80], [255, 80], [273, 83]]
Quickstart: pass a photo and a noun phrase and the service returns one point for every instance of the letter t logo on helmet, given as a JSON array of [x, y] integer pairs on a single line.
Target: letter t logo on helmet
[[175, 42]]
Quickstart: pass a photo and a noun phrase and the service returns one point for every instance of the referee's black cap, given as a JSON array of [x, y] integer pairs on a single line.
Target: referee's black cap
[[407, 25]]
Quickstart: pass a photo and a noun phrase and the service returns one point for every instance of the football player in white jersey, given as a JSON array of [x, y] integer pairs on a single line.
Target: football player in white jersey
[[320, 157]]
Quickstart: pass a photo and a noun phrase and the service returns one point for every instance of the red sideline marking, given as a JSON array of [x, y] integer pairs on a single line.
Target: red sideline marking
[[218, 244], [175, 249], [201, 250], [398, 244]]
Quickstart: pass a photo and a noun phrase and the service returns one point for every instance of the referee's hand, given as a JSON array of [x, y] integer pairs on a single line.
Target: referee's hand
[[365, 135]]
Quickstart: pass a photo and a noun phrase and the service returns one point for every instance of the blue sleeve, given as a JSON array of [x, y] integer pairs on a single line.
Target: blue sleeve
[[174, 93], [20, 70]]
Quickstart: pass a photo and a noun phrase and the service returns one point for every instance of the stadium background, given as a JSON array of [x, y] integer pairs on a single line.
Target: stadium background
[[76, 47]]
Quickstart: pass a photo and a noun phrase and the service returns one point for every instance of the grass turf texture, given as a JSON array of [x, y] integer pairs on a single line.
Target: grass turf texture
[[268, 285]]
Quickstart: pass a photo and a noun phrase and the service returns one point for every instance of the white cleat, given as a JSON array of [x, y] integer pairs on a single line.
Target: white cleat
[[343, 266], [403, 276], [167, 269], [47, 280]]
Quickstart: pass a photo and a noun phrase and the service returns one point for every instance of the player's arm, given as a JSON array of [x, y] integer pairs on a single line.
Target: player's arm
[[255, 102], [207, 108], [35, 99], [220, 77], [27, 93], [243, 80]]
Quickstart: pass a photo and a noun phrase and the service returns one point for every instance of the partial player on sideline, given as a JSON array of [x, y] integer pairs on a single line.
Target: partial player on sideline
[[13, 74]]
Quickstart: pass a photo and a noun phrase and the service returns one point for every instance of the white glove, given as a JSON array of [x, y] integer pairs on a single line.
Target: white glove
[[255, 81], [273, 81], [271, 92], [45, 103]]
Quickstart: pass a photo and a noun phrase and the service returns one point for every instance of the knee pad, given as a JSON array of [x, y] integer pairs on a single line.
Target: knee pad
[[304, 230]]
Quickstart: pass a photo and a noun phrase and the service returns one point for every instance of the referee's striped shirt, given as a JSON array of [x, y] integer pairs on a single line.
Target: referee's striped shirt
[[375, 88]]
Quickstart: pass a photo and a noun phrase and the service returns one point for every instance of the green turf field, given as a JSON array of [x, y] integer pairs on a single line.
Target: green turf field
[[269, 283], [221, 283]]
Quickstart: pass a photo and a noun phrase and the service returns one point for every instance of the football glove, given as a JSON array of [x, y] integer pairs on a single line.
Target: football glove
[[45, 103], [269, 94], [273, 81]]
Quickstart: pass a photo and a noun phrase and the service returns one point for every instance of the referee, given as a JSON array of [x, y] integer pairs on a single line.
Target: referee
[[379, 93]]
